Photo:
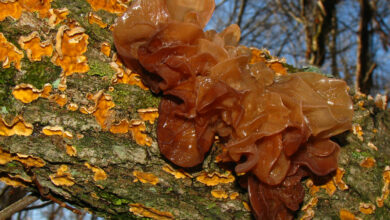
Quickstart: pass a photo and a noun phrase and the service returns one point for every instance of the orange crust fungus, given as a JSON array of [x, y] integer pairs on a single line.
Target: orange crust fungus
[[56, 130], [213, 179], [102, 110], [71, 44], [99, 173], [105, 48], [219, 194], [347, 215], [385, 188], [145, 177], [367, 208], [14, 182], [137, 129], [17, 127], [70, 150], [308, 209], [62, 177], [9, 53], [57, 16], [10, 8], [95, 19], [60, 99], [120, 128], [148, 114], [112, 6], [276, 127], [143, 211], [72, 107], [178, 174], [34, 47], [125, 76], [27, 93], [27, 160], [368, 162]]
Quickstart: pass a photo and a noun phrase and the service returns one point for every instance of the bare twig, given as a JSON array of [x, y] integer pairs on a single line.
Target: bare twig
[[17, 206]]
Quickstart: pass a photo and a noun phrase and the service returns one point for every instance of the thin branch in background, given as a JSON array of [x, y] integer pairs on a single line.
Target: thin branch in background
[[38, 206], [241, 12], [17, 206]]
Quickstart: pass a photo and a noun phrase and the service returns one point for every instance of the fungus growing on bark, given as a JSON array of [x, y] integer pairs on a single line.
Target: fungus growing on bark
[[100, 174], [27, 160], [34, 47], [17, 127], [95, 19], [145, 177], [57, 16], [9, 53], [62, 177], [275, 126], [27, 93], [148, 212], [71, 44], [105, 48], [113, 6]]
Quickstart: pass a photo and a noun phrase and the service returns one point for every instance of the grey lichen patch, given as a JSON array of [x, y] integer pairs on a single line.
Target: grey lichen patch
[[6, 85], [124, 153]]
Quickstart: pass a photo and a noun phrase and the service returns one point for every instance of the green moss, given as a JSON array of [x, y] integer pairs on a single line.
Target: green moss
[[6, 84], [126, 96], [100, 68], [40, 73]]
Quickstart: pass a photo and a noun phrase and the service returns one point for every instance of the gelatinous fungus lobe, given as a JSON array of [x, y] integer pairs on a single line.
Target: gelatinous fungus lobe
[[274, 125]]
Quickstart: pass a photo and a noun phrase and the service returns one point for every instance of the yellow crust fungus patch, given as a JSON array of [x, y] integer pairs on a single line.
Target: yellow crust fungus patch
[[179, 174], [347, 215], [62, 177], [71, 44], [95, 19], [72, 107], [385, 189], [368, 162], [358, 131], [103, 110], [124, 75], [213, 179], [234, 195], [308, 209], [17, 127], [27, 93], [40, 6], [120, 128], [9, 53], [338, 179], [56, 130], [145, 177], [113, 6], [70, 150], [60, 99], [105, 48], [278, 68], [10, 9], [29, 161], [148, 114], [367, 208], [99, 173], [219, 194], [14, 182], [57, 16], [137, 129], [34, 47], [274, 63], [143, 211], [246, 206]]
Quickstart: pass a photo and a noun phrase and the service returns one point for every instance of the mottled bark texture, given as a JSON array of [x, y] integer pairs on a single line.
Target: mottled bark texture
[[118, 155]]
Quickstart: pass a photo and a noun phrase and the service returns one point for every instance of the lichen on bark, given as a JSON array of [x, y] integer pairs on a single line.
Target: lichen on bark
[[119, 155]]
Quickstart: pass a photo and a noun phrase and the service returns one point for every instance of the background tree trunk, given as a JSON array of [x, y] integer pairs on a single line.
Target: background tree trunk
[[108, 173]]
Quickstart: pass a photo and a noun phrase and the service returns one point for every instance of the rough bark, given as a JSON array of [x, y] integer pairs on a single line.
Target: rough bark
[[119, 155]]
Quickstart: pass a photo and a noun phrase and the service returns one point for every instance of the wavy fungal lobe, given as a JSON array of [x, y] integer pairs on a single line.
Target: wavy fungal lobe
[[275, 128]]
